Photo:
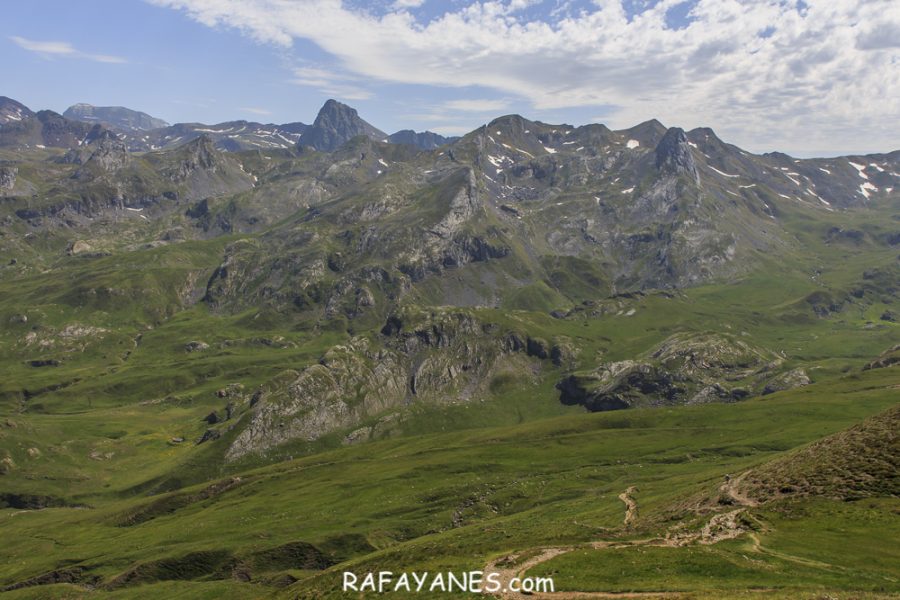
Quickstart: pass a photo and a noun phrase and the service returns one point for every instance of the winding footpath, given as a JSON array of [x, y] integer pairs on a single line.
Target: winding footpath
[[721, 526]]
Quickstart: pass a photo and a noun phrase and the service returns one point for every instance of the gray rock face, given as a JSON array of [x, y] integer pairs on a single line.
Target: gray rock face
[[8, 178], [674, 153], [336, 124]]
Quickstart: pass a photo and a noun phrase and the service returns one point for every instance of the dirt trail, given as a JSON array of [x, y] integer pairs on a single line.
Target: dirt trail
[[721, 526], [731, 489], [630, 505]]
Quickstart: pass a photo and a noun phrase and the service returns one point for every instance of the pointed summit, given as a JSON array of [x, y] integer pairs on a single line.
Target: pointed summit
[[334, 125], [673, 153]]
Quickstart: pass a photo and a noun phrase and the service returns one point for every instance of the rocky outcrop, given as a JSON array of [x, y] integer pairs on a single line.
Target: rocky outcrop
[[445, 357], [8, 178], [787, 381], [683, 369], [888, 358]]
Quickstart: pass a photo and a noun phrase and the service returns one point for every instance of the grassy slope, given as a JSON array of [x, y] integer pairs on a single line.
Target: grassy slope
[[103, 437], [550, 482]]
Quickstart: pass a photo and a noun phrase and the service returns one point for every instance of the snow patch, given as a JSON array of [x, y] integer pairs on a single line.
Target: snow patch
[[722, 173], [861, 169], [825, 171], [628, 191], [631, 144], [549, 150], [788, 175], [508, 147], [867, 187]]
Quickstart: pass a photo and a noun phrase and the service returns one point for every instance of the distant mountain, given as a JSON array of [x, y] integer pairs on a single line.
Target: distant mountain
[[115, 117], [335, 124], [233, 136], [426, 140], [12, 111]]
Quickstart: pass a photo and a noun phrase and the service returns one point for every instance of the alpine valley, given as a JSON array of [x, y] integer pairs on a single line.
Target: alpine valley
[[237, 360]]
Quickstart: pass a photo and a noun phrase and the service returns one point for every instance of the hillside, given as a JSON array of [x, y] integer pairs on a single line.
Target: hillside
[[235, 368]]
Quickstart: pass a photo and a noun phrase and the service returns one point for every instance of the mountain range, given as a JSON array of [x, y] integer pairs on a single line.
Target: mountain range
[[335, 124], [241, 357]]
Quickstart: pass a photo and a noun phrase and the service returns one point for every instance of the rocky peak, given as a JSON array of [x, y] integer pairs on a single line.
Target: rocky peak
[[109, 152], [198, 154], [511, 124], [335, 124], [674, 153], [12, 111], [648, 133]]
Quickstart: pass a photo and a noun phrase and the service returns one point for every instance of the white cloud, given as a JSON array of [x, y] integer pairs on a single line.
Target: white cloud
[[402, 4], [821, 73], [256, 111], [330, 82], [476, 105], [62, 49]]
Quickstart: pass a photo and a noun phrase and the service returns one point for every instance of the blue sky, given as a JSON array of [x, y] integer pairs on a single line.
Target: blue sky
[[814, 77]]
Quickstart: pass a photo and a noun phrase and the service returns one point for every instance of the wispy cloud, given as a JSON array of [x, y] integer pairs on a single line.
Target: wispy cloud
[[256, 111], [477, 105], [330, 82], [767, 73], [51, 49]]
